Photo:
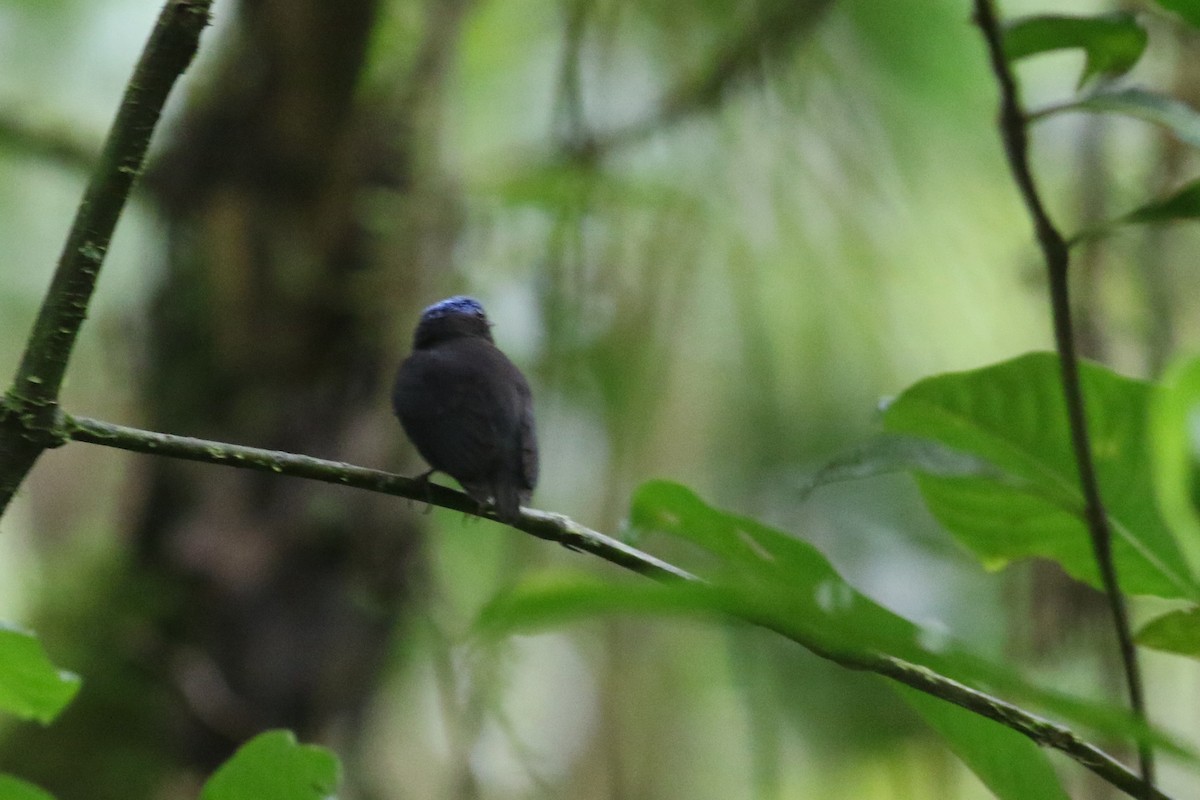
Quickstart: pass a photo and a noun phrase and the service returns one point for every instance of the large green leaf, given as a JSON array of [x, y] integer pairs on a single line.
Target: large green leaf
[[1013, 415], [777, 580], [1180, 206], [1009, 764], [272, 766], [30, 686], [555, 599], [16, 789], [764, 576], [1113, 43], [768, 577], [1175, 452]]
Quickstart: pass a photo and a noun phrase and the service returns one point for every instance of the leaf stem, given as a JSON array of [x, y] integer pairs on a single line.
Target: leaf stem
[[1012, 123]]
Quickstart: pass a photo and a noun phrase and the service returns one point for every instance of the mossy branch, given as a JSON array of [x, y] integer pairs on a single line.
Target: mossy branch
[[572, 535], [551, 527], [27, 412]]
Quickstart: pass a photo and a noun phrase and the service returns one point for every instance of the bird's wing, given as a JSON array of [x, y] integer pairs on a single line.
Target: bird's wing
[[527, 439], [473, 445]]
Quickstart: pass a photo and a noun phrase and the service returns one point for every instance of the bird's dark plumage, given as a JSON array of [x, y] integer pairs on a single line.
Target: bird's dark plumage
[[467, 408]]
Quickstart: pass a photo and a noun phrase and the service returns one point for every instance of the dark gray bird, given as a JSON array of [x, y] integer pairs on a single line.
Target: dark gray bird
[[467, 408]]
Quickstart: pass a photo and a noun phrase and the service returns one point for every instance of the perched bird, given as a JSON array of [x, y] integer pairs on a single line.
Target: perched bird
[[467, 408]]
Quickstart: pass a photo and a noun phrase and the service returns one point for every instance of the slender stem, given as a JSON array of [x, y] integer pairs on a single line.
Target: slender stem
[[28, 408], [1055, 251], [552, 527], [1042, 732], [572, 535], [167, 54]]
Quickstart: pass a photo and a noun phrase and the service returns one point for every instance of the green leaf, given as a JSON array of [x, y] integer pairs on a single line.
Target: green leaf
[[781, 583], [1183, 204], [1113, 43], [560, 598], [1009, 764], [16, 789], [1177, 632], [30, 686], [1175, 450], [1174, 115], [1013, 415], [1188, 10], [272, 766]]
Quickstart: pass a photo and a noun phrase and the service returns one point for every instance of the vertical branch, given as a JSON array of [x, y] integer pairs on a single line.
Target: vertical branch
[[1012, 124], [27, 413]]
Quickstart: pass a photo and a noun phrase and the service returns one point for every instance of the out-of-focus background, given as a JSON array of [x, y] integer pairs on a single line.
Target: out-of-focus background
[[713, 234]]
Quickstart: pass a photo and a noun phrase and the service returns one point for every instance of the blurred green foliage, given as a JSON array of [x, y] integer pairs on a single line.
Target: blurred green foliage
[[716, 236]]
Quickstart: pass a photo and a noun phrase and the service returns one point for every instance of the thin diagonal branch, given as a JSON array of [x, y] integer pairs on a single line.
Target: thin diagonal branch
[[167, 54], [572, 535], [1042, 732], [27, 411], [1013, 131], [552, 527], [28, 408]]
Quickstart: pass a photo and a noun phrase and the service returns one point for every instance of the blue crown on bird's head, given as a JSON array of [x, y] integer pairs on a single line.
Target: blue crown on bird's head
[[459, 304]]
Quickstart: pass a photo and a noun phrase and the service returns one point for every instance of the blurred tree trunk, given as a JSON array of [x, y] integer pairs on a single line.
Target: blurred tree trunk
[[257, 336], [276, 325], [256, 601]]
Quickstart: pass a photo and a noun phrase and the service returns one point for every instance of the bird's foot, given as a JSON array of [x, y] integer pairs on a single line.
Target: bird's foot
[[423, 480]]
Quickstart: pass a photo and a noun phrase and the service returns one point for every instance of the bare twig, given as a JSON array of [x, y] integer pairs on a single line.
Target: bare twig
[[572, 535], [27, 413], [1012, 123]]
